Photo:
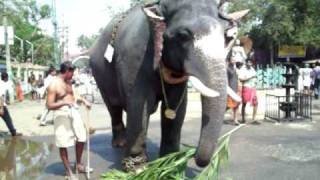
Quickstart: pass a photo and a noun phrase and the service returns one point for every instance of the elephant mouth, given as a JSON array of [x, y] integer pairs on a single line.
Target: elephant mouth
[[173, 77]]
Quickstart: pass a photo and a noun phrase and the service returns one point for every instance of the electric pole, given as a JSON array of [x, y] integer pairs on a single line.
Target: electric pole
[[64, 39], [55, 34], [6, 40]]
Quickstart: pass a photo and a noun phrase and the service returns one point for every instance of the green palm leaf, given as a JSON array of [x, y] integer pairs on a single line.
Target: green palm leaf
[[173, 166]]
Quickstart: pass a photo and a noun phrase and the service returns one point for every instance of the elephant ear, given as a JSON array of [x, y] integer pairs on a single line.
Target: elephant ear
[[158, 26]]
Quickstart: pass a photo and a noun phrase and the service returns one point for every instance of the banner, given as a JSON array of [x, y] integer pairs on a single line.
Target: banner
[[291, 51]]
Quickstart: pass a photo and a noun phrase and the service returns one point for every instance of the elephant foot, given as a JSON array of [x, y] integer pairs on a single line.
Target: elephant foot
[[119, 137], [134, 164], [119, 142]]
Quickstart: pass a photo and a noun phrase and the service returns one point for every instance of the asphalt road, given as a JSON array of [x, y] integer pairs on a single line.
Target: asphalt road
[[270, 151]]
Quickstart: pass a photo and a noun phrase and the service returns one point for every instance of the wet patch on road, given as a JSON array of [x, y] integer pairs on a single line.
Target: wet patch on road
[[301, 126], [296, 152], [22, 159], [292, 152]]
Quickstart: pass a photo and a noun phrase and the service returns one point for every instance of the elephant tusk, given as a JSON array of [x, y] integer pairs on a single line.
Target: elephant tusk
[[150, 13], [200, 87], [233, 95]]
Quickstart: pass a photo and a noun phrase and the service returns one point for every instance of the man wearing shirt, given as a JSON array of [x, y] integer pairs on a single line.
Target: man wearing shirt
[[5, 113], [247, 75], [237, 53], [306, 78]]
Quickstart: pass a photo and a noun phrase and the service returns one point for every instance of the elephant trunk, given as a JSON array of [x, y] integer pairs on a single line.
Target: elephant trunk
[[213, 109]]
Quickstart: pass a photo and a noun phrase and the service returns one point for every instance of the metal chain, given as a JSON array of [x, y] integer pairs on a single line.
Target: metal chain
[[132, 163], [117, 25], [164, 91]]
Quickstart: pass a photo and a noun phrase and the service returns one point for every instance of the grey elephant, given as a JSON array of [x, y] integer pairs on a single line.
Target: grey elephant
[[147, 55]]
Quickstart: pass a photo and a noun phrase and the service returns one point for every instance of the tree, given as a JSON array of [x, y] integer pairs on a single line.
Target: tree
[[271, 23], [85, 42]]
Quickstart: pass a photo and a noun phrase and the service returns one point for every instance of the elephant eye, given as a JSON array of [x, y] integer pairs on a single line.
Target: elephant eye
[[184, 35]]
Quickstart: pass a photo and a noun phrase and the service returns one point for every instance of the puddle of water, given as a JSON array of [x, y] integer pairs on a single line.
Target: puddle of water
[[22, 159], [293, 152]]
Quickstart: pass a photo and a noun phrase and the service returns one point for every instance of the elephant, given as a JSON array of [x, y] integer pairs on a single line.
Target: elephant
[[147, 55]]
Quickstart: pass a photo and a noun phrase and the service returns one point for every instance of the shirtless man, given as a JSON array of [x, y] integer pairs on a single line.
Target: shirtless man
[[69, 129]]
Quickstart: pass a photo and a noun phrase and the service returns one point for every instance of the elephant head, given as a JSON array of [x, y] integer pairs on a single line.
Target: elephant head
[[192, 39]]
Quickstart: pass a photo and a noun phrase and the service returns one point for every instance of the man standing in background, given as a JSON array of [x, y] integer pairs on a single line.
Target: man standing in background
[[237, 53], [248, 77], [4, 113], [316, 78], [47, 81]]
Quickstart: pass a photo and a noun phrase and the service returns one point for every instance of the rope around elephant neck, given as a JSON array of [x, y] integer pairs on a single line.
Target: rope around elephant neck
[[170, 113]]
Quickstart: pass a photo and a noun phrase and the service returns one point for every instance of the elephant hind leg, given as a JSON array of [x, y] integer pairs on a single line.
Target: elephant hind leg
[[118, 128]]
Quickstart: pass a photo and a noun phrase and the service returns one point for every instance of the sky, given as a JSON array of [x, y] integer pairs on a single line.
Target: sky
[[81, 17]]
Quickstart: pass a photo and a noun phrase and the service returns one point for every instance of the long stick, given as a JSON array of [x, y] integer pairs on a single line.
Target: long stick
[[88, 144]]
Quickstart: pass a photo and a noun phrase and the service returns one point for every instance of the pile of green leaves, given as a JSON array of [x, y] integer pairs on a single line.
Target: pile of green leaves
[[173, 166]]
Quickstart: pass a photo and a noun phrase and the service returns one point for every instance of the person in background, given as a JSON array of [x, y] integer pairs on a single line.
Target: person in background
[[233, 83], [9, 95], [297, 78], [237, 53], [51, 74], [19, 90], [316, 77], [33, 84], [312, 80], [4, 112], [39, 84], [306, 78], [81, 84], [247, 75]]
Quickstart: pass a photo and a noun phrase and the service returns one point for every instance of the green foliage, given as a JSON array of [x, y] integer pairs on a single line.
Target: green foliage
[[173, 166], [85, 42], [169, 167], [281, 21]]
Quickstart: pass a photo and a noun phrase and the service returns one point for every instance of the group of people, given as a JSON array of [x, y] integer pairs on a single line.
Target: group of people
[[309, 79], [242, 80]]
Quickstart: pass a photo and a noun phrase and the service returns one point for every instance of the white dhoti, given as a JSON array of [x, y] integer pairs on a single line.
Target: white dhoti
[[68, 127]]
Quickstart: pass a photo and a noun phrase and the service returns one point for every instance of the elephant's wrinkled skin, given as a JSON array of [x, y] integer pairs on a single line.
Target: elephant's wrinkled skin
[[194, 44]]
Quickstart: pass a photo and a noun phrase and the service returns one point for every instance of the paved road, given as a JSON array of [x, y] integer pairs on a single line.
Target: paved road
[[277, 151]]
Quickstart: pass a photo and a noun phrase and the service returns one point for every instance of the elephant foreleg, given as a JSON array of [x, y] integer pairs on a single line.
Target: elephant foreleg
[[137, 124], [171, 128]]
